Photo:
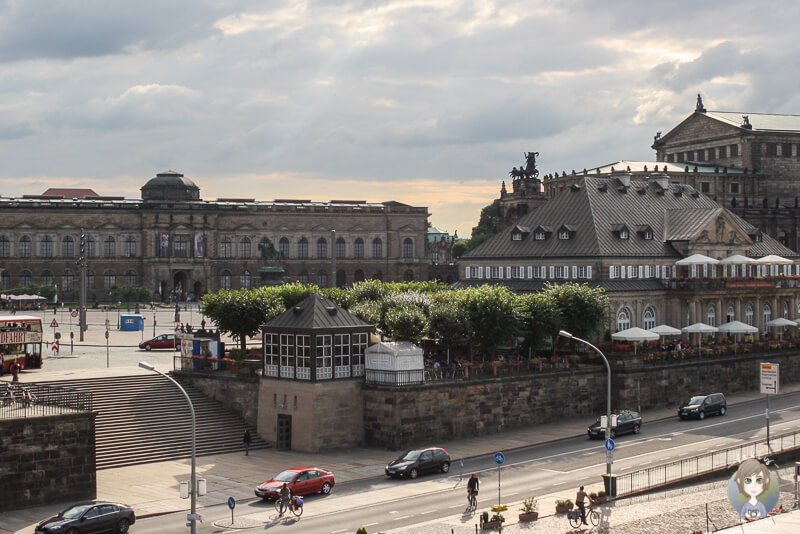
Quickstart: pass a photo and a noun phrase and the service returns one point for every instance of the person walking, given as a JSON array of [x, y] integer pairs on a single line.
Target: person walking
[[15, 372], [580, 500], [247, 440]]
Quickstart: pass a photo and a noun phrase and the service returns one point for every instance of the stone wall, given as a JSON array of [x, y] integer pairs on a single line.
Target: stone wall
[[398, 417], [326, 415], [236, 393], [46, 460]]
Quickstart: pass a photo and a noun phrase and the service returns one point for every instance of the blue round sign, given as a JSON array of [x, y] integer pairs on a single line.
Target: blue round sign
[[231, 503], [610, 445], [499, 458]]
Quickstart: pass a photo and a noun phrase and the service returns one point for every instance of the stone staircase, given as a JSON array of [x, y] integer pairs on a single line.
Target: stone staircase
[[145, 418]]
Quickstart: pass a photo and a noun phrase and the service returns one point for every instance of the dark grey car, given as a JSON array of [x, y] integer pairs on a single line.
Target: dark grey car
[[700, 406], [413, 463]]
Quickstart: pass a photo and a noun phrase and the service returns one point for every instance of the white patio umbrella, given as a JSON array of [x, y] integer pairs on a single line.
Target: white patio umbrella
[[664, 330], [779, 323], [635, 334], [699, 328], [697, 259], [737, 259], [737, 327], [772, 259]]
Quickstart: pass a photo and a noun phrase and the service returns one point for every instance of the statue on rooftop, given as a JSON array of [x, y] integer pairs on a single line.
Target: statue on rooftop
[[700, 106]]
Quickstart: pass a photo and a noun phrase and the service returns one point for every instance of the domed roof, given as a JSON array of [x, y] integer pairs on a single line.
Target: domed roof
[[170, 179]]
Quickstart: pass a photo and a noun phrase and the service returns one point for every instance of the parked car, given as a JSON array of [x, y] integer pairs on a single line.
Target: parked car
[[628, 421], [164, 341], [90, 517], [702, 405], [301, 481], [413, 463]]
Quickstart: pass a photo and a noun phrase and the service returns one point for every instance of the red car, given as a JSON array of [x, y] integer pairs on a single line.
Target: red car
[[301, 481], [164, 341]]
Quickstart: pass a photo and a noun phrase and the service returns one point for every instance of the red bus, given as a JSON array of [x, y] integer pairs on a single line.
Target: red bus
[[20, 342]]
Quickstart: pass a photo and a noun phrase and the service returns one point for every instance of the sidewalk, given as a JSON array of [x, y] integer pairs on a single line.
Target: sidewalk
[[153, 488]]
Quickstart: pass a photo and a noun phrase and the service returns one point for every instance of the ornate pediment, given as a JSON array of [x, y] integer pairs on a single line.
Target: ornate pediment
[[721, 230]]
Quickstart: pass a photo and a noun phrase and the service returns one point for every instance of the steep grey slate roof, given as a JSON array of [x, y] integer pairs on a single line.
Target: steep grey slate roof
[[316, 312], [595, 210], [531, 286], [759, 121]]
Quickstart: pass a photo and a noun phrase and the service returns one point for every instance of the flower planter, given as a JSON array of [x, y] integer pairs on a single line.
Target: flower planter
[[562, 509], [489, 525], [530, 516]]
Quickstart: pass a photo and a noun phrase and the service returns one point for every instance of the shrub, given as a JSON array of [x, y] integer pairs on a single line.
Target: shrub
[[361, 530], [529, 505], [498, 517]]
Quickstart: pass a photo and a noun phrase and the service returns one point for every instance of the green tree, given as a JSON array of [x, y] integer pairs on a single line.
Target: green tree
[[241, 313], [406, 322], [583, 309], [370, 312], [539, 317], [449, 323], [294, 293], [491, 310]]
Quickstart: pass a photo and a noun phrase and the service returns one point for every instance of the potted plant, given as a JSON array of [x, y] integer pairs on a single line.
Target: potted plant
[[563, 506], [598, 498], [495, 522], [529, 512]]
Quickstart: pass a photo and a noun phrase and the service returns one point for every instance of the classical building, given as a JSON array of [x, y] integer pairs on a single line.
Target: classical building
[[177, 244], [748, 162], [440, 252], [628, 235]]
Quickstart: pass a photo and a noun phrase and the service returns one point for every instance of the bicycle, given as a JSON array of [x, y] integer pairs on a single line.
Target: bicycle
[[27, 397], [8, 395], [574, 517], [295, 506], [472, 501]]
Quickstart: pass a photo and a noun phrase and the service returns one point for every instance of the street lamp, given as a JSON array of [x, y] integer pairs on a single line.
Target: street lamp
[[193, 483], [564, 333]]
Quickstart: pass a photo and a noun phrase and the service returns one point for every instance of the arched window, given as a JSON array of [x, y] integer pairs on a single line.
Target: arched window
[[67, 247], [341, 278], [91, 249], [244, 248], [109, 279], [109, 247], [283, 247], [246, 281], [181, 247], [5, 247], [225, 247], [358, 248], [377, 248], [731, 314], [408, 276], [748, 314], [649, 318], [711, 316], [303, 278], [623, 320], [408, 248], [130, 278], [25, 278], [322, 279], [341, 248], [358, 276], [225, 280], [5, 280], [767, 317], [302, 248], [322, 247], [46, 247], [68, 281], [129, 247], [25, 247], [47, 278]]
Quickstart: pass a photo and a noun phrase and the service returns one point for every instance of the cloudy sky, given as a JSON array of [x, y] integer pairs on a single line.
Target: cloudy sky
[[428, 102]]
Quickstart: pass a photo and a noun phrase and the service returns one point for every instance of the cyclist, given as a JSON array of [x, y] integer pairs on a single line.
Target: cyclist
[[472, 487], [285, 497], [580, 500]]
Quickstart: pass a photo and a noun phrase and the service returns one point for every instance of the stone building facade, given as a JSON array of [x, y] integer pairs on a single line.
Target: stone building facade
[[179, 245]]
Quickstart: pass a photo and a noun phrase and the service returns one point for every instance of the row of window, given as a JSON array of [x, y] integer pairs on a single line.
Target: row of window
[[707, 154], [289, 355], [246, 279], [46, 247], [69, 280], [649, 316], [705, 187], [226, 248], [498, 272]]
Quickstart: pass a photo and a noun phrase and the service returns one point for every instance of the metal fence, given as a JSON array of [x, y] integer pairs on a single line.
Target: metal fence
[[35, 400], [661, 475], [380, 377]]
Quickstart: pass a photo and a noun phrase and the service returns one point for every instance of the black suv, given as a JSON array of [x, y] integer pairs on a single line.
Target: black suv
[[702, 405], [413, 463], [627, 421]]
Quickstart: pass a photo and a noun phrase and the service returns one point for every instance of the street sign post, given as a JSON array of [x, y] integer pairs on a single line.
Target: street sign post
[[770, 382], [231, 505], [499, 458], [610, 445]]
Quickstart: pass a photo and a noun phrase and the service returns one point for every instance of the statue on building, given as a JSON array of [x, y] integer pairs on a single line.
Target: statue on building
[[268, 250], [746, 122], [700, 108], [531, 172]]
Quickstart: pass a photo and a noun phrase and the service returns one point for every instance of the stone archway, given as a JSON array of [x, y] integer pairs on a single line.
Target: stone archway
[[178, 286]]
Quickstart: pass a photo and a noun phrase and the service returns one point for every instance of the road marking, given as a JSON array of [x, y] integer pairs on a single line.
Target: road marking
[[370, 524], [428, 512], [399, 518], [394, 512], [511, 494], [337, 531]]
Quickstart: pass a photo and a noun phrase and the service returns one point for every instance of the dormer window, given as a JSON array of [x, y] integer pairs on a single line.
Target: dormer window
[[621, 231], [566, 231], [519, 232], [516, 236], [563, 234], [623, 234], [539, 235], [647, 234]]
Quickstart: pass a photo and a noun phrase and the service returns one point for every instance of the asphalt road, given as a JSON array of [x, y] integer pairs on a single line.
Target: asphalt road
[[381, 504]]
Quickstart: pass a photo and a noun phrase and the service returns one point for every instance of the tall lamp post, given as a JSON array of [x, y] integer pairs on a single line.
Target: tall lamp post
[[193, 482], [564, 333]]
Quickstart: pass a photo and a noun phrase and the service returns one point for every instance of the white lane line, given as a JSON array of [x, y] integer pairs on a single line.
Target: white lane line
[[337, 531], [371, 524], [399, 518], [427, 512], [394, 512]]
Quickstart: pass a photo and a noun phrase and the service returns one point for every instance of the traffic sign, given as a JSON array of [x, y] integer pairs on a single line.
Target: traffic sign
[[74, 313], [231, 503], [610, 445], [54, 323], [462, 463], [770, 378], [610, 457], [499, 458]]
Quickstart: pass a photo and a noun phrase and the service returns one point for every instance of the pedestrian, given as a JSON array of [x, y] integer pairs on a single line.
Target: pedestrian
[[580, 500], [15, 372], [247, 440]]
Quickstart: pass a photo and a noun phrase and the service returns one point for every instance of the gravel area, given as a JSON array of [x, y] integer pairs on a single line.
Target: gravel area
[[674, 511]]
